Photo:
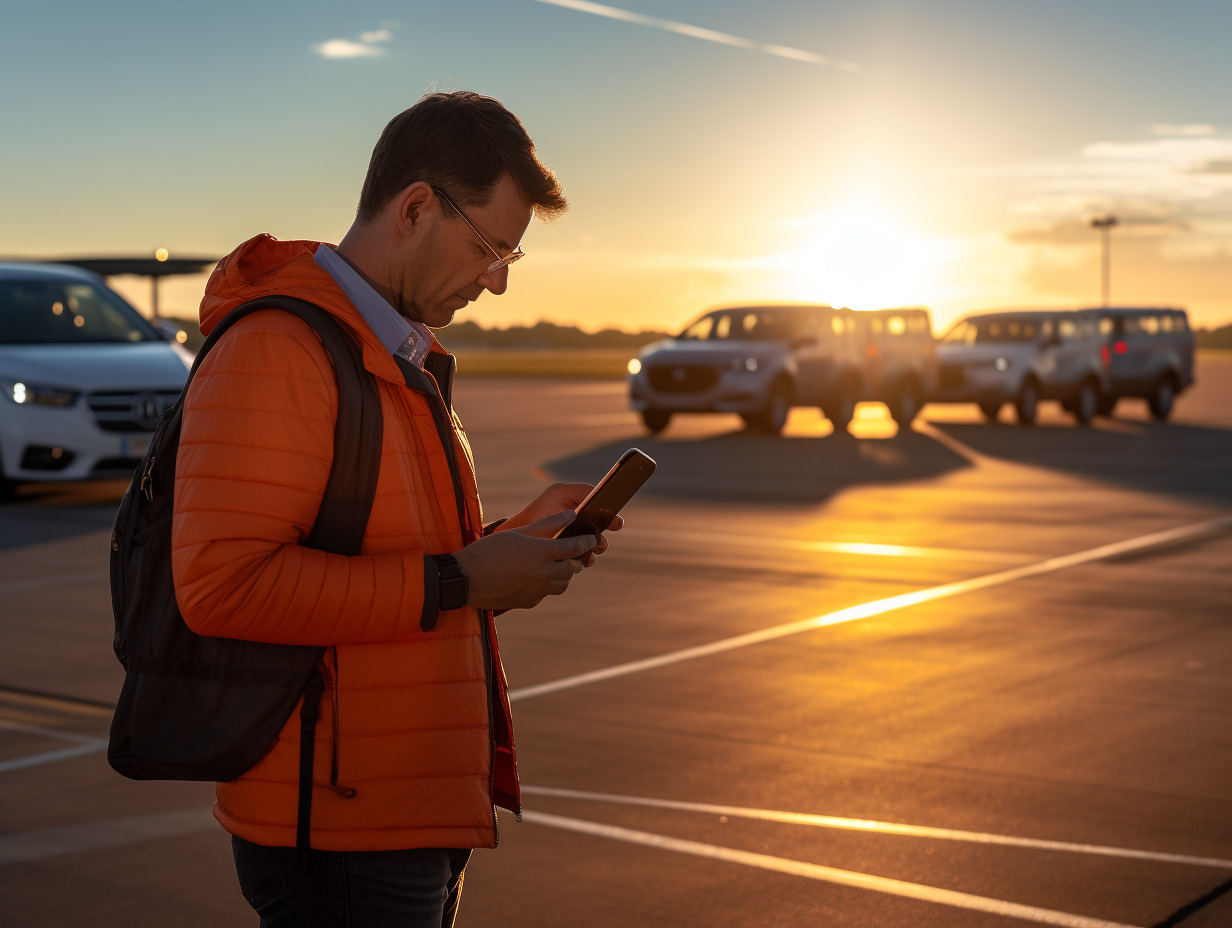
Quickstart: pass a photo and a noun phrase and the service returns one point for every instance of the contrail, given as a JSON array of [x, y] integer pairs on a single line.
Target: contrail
[[708, 35]]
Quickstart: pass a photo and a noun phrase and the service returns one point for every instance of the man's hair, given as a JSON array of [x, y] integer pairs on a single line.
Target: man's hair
[[461, 142]]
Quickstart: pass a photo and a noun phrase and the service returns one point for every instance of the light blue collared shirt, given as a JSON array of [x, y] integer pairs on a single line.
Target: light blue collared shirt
[[400, 336]]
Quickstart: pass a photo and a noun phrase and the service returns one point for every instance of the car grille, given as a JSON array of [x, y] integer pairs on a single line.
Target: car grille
[[683, 378], [950, 375], [131, 410]]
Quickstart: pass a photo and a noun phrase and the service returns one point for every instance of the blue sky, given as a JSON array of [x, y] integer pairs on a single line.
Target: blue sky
[[957, 168]]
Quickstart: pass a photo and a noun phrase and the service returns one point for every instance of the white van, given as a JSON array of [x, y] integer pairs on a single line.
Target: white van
[[1023, 357], [84, 378]]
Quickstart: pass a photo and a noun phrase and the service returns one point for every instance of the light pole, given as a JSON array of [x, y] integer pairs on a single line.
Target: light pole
[[1104, 224]]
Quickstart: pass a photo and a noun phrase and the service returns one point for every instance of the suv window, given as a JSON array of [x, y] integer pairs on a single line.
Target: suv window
[[985, 329], [763, 325], [40, 312]]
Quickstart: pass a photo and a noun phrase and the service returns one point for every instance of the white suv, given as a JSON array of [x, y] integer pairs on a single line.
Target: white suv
[[84, 378], [1023, 357]]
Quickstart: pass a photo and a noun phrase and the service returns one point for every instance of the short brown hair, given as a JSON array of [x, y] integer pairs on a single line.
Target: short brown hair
[[461, 142]]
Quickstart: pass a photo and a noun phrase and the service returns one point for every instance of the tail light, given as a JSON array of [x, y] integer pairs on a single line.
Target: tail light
[[872, 351], [1121, 348], [1105, 356]]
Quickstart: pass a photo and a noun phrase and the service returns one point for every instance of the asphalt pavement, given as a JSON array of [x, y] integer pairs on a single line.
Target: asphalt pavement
[[967, 675]]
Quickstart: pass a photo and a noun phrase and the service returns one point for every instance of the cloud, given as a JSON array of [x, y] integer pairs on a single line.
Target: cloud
[[365, 47], [1213, 167], [706, 35], [1183, 129]]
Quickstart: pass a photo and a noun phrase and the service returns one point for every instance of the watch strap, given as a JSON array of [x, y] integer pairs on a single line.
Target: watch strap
[[453, 587]]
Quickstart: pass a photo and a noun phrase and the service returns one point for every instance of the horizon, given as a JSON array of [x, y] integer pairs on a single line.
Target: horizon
[[860, 154]]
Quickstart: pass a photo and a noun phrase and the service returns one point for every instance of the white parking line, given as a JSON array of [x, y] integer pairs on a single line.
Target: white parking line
[[883, 828], [1155, 540], [26, 846], [84, 745], [826, 874]]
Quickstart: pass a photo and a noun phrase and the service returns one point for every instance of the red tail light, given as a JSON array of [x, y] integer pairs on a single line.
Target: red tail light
[[1121, 348], [872, 351], [1105, 356]]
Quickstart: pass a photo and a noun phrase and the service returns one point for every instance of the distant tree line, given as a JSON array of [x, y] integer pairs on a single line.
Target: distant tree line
[[1214, 338], [543, 335]]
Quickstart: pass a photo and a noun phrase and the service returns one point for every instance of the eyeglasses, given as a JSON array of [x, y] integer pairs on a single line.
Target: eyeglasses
[[499, 262]]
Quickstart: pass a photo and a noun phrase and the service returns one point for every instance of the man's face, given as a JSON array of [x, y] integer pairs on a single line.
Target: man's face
[[446, 267]]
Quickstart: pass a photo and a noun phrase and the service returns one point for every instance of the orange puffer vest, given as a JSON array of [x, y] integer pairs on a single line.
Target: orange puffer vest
[[414, 746]]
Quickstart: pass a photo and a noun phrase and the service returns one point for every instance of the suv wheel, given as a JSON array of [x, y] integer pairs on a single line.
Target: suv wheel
[[841, 410], [990, 409], [1027, 404], [773, 414], [656, 420], [1162, 399], [906, 405], [1086, 403], [1107, 404]]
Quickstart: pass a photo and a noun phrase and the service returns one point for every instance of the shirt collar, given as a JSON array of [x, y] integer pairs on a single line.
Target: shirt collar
[[400, 336]]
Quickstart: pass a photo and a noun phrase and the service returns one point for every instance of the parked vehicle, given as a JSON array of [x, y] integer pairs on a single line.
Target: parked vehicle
[[900, 366], [83, 377], [1150, 354], [1023, 357], [758, 361]]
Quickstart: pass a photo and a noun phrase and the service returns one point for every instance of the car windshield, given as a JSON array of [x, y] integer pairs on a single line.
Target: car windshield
[[759, 325], [988, 329], [43, 312]]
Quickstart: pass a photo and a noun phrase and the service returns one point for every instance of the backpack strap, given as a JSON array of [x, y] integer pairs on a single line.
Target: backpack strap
[[342, 519]]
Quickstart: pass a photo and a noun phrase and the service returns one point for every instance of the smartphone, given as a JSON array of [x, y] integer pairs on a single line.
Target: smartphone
[[596, 511]]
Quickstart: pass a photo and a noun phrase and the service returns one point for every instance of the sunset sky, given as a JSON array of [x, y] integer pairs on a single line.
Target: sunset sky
[[947, 153]]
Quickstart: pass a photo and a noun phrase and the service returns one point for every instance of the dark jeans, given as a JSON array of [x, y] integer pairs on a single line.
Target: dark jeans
[[417, 888]]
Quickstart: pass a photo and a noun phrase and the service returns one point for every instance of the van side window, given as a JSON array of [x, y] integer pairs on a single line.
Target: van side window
[[836, 323], [896, 325], [1165, 323], [1067, 329], [722, 329], [1182, 323], [1107, 325], [878, 326], [1149, 324]]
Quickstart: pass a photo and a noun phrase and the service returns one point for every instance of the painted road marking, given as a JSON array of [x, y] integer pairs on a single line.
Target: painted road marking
[[1153, 541], [84, 745], [94, 836], [825, 874], [882, 828], [86, 576]]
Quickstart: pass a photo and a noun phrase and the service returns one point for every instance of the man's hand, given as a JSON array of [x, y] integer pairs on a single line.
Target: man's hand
[[515, 569], [551, 501]]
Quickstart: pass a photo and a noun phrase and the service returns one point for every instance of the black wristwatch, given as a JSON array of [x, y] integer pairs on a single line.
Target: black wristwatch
[[454, 589]]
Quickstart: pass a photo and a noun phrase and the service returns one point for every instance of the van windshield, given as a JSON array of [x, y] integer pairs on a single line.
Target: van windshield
[[987, 330], [45, 312], [753, 324]]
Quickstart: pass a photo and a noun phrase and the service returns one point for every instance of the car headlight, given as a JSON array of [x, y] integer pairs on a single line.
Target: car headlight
[[24, 393], [634, 366], [744, 364], [1001, 364]]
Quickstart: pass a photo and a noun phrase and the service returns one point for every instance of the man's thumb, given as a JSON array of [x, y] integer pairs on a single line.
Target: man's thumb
[[548, 525]]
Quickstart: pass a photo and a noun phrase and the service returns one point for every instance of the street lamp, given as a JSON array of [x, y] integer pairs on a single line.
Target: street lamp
[[1104, 224]]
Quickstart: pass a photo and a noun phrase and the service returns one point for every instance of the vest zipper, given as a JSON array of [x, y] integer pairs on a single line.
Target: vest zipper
[[346, 792]]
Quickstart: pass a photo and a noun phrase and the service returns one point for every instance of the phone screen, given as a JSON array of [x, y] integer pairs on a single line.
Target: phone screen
[[595, 513]]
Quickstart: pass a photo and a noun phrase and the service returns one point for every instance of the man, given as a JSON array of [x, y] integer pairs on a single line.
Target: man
[[414, 747]]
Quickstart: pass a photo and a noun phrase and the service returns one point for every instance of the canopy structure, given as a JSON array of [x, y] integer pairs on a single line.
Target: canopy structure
[[159, 266], [155, 268]]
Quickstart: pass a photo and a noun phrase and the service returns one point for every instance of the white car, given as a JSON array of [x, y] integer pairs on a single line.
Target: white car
[[1022, 357], [84, 378]]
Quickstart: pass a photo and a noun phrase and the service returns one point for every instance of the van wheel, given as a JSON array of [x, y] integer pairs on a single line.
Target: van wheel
[[773, 414], [991, 410], [841, 409], [1162, 399], [656, 420], [1027, 404], [1107, 404], [906, 406], [1085, 404]]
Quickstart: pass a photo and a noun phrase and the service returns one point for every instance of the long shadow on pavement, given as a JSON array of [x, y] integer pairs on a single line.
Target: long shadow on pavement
[[748, 468], [53, 512], [1176, 460]]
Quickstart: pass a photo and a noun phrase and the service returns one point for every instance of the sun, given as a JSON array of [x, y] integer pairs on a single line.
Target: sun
[[862, 255]]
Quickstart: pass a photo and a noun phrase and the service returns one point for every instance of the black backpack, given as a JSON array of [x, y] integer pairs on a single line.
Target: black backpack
[[201, 708]]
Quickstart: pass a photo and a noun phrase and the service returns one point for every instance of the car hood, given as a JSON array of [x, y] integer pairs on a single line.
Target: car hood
[[112, 366], [969, 354], [690, 351]]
